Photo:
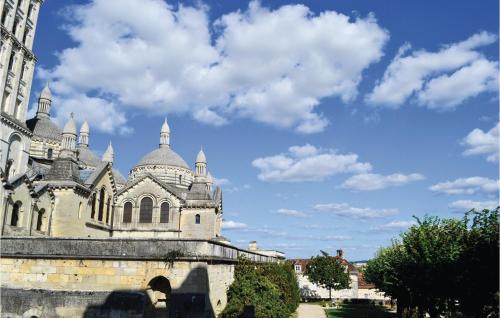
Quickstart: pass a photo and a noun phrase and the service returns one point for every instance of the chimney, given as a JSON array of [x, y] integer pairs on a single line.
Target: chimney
[[252, 246], [340, 253]]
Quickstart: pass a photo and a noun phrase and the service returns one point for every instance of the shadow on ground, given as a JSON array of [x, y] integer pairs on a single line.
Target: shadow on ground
[[360, 311]]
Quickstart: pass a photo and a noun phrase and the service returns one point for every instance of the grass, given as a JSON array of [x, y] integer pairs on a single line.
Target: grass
[[359, 311]]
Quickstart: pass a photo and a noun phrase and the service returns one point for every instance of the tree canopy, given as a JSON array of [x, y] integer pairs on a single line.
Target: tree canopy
[[442, 266], [328, 271]]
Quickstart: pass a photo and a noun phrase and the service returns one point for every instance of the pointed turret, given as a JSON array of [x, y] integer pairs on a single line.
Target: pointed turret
[[68, 145], [201, 164], [84, 135], [108, 154], [165, 135], [44, 102]]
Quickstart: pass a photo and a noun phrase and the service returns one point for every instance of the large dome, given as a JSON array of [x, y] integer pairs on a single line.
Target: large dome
[[163, 156]]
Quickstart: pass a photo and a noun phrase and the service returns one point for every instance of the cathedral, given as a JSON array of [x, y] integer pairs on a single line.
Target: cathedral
[[54, 185], [78, 239]]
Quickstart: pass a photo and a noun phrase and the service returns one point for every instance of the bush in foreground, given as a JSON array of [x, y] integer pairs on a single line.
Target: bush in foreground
[[271, 288]]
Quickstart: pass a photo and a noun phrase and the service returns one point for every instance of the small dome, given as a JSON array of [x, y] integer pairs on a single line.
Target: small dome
[[201, 158], [163, 156], [88, 157], [46, 94], [165, 128], [70, 127], [85, 128], [44, 128]]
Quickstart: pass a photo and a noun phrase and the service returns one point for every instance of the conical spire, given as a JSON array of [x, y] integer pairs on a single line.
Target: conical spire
[[84, 135], [109, 154], [68, 144], [165, 135], [44, 102], [201, 164]]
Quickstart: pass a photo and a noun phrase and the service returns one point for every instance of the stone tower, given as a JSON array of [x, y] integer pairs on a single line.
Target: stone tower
[[17, 63]]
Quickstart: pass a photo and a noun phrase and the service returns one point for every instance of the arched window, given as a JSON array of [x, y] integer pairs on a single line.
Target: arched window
[[180, 179], [39, 220], [14, 153], [101, 205], [127, 212], [93, 202], [197, 219], [164, 212], [49, 153], [146, 211], [14, 219], [108, 207]]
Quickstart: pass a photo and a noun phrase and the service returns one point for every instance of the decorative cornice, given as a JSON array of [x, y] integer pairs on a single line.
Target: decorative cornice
[[16, 124]]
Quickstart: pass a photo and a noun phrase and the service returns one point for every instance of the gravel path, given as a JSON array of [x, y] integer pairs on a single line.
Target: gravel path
[[311, 311]]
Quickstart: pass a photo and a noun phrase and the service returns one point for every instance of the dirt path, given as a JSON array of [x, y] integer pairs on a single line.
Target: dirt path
[[311, 311]]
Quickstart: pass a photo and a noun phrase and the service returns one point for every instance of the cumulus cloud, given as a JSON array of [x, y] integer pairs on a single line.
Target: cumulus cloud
[[232, 225], [479, 142], [293, 213], [395, 225], [372, 181], [469, 185], [272, 66], [345, 210], [307, 163], [438, 80], [467, 205]]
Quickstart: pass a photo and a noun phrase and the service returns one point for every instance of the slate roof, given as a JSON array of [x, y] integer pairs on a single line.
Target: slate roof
[[88, 157], [163, 156], [44, 128]]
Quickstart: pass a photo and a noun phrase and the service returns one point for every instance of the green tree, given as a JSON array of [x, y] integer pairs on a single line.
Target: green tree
[[329, 272], [271, 288]]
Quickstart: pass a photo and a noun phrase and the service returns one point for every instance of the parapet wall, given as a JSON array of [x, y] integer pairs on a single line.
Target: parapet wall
[[124, 249]]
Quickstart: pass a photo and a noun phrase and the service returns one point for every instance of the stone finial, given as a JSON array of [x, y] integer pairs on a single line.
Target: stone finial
[[165, 134], [84, 135], [108, 154], [44, 102]]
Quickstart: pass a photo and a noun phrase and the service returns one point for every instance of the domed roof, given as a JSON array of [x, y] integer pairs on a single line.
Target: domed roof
[[46, 94], [88, 157], [163, 156], [44, 128], [85, 128], [70, 127], [201, 158]]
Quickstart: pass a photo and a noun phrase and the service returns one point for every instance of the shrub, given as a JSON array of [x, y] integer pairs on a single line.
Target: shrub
[[271, 288]]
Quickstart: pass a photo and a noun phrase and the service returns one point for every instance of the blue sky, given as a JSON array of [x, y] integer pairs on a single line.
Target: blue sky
[[328, 124]]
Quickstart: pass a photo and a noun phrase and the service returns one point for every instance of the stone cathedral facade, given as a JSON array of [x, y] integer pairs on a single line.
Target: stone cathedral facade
[[81, 240]]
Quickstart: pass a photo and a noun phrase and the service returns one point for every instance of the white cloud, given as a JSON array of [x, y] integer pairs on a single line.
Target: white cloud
[[439, 80], [396, 225], [221, 181], [469, 185], [273, 66], [467, 205], [479, 142], [345, 210], [307, 163], [372, 181], [232, 225], [448, 91], [293, 213]]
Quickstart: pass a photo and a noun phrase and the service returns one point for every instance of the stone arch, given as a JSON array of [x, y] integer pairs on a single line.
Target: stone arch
[[33, 312], [165, 208], [159, 291], [40, 220], [102, 196], [14, 153], [15, 215]]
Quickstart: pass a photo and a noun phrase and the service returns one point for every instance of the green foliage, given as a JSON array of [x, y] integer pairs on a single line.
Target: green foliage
[[271, 288], [439, 262], [328, 271]]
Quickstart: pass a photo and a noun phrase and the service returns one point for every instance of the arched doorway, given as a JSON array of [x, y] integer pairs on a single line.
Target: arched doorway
[[159, 291]]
